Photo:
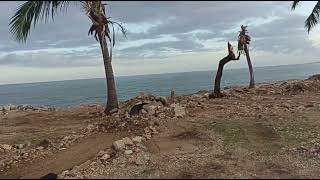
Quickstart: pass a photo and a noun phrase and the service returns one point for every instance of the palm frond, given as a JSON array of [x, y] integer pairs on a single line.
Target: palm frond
[[122, 28], [294, 5], [313, 18], [96, 11], [30, 13]]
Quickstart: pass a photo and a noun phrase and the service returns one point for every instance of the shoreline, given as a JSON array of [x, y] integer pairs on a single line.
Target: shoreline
[[201, 91], [214, 70]]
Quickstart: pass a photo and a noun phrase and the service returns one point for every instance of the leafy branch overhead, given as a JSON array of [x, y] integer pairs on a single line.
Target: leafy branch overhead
[[313, 18], [31, 12]]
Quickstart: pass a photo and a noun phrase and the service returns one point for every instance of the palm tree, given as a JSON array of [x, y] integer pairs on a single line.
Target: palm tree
[[32, 11], [313, 18], [243, 42]]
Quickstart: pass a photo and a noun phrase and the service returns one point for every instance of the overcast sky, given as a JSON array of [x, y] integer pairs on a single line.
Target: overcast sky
[[162, 37]]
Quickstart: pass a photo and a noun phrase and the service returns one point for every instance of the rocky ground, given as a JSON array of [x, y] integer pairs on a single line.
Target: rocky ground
[[271, 131]]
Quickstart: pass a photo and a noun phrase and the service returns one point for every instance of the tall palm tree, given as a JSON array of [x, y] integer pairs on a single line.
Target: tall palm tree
[[313, 18], [32, 11], [243, 42]]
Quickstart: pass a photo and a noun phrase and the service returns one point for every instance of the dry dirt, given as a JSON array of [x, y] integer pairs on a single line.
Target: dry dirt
[[248, 134]]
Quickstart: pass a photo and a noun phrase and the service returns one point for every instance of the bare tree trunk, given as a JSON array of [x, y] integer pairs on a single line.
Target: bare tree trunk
[[231, 56], [112, 100], [246, 50], [217, 81]]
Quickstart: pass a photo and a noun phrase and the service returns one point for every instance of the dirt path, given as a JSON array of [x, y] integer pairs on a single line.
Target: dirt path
[[66, 159]]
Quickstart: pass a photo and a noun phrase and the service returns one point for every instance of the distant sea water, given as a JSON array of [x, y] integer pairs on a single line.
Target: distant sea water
[[76, 92]]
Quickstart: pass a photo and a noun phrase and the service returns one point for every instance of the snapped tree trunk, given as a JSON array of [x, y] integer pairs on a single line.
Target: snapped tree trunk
[[246, 50], [112, 100], [217, 81], [231, 56]]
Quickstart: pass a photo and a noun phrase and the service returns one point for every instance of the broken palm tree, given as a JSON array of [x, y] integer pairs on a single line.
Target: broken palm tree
[[243, 42], [231, 56]]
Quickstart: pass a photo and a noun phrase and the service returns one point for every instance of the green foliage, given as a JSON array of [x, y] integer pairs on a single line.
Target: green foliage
[[30, 13], [313, 18], [294, 5]]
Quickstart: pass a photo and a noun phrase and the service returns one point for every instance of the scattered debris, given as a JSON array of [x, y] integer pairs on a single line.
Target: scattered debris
[[6, 146]]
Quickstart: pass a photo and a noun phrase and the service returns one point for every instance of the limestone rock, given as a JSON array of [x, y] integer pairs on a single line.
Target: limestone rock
[[19, 146], [128, 152], [105, 157], [13, 107], [137, 139], [101, 153], [28, 144], [6, 108], [153, 130], [118, 145], [153, 107], [178, 110], [90, 127], [196, 96], [147, 136], [114, 110], [6, 146], [143, 111], [161, 99], [161, 115], [127, 141], [206, 95], [142, 158], [40, 148]]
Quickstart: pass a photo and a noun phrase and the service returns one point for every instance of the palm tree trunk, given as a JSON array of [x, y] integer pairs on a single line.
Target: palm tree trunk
[[112, 100], [246, 50]]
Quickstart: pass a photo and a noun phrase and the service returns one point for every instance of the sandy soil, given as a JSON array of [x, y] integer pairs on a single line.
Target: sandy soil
[[259, 133]]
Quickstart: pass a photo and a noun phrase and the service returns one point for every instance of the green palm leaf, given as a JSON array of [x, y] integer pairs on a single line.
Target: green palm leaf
[[313, 19], [294, 5], [30, 13]]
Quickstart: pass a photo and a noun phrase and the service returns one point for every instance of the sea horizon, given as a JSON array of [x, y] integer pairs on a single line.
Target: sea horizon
[[214, 70], [87, 91]]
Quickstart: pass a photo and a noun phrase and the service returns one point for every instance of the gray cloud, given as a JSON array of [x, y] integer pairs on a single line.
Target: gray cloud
[[183, 45], [178, 19], [160, 49], [50, 60]]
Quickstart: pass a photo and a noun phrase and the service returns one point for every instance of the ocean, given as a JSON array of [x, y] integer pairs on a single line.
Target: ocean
[[76, 92]]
